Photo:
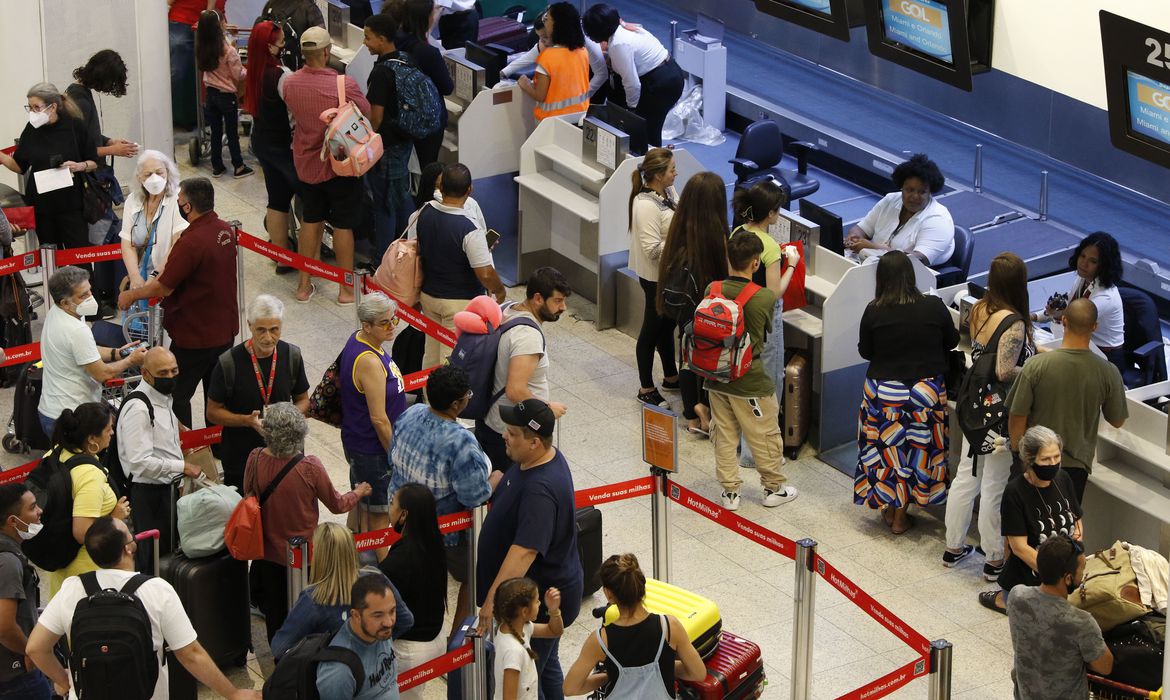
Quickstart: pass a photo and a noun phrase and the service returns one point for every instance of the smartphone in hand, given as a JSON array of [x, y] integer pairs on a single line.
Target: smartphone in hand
[[493, 237]]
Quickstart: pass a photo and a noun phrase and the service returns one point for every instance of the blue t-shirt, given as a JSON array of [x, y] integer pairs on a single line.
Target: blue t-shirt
[[443, 456], [535, 508], [335, 681], [310, 617]]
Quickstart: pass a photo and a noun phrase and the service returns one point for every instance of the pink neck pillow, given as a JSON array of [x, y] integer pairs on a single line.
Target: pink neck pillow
[[481, 315]]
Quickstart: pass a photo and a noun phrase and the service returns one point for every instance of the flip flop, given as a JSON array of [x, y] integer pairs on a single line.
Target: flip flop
[[987, 600], [697, 431], [344, 303], [306, 300]]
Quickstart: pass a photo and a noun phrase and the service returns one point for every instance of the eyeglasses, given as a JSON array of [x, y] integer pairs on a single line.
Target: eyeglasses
[[41, 108], [387, 324]]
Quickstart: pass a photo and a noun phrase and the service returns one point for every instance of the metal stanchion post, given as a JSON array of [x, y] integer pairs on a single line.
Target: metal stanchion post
[[660, 515], [978, 168], [358, 283], [673, 35], [297, 578], [48, 267], [1044, 195], [475, 673], [940, 670], [804, 597], [241, 297]]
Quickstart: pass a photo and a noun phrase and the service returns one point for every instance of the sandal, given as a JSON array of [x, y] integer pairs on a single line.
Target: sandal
[[697, 431], [309, 297], [987, 600], [909, 524]]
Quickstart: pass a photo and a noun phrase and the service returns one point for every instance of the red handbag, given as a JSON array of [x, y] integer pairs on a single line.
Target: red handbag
[[244, 532], [794, 295]]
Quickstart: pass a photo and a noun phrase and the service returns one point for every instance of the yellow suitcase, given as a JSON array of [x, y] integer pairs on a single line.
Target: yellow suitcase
[[698, 615]]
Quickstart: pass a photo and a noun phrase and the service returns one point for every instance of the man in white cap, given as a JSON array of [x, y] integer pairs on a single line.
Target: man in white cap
[[326, 196]]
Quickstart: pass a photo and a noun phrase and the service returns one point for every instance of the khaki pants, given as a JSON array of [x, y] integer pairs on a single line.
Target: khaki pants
[[441, 311], [757, 419]]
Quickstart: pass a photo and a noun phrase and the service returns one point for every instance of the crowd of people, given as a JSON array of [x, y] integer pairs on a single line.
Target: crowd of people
[[411, 460]]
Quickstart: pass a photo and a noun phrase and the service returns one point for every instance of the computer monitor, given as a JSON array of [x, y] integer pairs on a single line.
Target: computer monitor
[[491, 57], [626, 121], [949, 40], [830, 17], [832, 233]]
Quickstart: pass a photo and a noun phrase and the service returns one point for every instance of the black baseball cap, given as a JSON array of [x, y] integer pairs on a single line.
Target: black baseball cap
[[533, 414]]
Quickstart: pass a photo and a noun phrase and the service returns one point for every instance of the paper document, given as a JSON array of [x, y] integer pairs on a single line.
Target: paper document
[[53, 179]]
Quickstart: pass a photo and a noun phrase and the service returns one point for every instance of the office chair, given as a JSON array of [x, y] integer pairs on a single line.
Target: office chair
[[761, 148], [956, 269], [1145, 356]]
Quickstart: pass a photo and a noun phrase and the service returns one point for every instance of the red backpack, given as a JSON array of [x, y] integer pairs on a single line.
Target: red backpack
[[716, 344]]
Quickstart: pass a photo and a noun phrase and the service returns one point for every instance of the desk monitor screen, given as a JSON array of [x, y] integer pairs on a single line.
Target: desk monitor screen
[[1149, 108], [921, 25], [491, 57], [824, 7], [830, 17], [832, 235], [626, 121], [1137, 85]]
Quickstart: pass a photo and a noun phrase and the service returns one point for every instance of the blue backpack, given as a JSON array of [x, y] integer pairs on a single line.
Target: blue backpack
[[419, 110], [476, 353]]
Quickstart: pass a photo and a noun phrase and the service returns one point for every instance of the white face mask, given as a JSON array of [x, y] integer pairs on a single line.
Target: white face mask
[[33, 529], [155, 184], [89, 307], [38, 119]]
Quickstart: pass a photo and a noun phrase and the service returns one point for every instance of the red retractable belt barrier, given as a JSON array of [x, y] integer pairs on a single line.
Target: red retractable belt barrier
[[204, 437], [16, 263], [890, 682], [313, 267], [615, 492], [85, 256], [18, 474], [880, 613], [434, 668], [20, 354], [414, 318], [757, 533]]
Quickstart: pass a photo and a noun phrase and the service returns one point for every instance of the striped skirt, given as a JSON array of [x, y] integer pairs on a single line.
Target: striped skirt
[[902, 444]]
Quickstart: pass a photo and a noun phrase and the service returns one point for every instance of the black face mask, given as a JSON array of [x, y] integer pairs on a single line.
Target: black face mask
[[182, 213], [164, 385], [399, 526], [1046, 473]]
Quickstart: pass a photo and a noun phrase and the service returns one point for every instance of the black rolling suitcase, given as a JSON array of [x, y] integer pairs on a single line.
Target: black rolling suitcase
[[27, 434], [181, 684], [589, 547]]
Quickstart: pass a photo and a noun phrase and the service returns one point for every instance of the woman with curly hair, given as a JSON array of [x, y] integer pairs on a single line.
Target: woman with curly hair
[[910, 220]]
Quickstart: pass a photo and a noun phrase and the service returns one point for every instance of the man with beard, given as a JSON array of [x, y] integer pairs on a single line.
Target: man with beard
[[367, 633], [521, 360]]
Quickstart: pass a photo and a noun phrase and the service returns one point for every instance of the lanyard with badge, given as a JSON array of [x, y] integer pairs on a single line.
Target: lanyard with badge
[[265, 391]]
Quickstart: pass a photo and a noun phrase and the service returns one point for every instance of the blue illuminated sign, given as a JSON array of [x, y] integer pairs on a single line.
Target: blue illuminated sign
[[1149, 107], [822, 6], [922, 25]]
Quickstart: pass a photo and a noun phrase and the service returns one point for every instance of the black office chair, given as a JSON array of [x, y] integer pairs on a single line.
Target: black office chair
[[956, 269], [761, 148], [1145, 356]]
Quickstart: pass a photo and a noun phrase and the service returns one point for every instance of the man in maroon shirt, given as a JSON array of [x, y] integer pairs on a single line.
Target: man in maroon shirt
[[198, 286], [309, 92]]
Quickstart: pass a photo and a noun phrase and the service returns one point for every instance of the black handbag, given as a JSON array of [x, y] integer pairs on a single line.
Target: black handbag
[[96, 199]]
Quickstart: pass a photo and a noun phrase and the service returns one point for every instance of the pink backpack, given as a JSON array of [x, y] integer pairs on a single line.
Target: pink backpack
[[351, 142]]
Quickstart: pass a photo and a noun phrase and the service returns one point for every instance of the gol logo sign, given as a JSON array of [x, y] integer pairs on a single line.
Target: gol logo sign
[[922, 13], [1153, 97]]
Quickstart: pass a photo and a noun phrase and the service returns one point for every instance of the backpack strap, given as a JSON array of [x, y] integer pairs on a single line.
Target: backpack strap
[[228, 368], [341, 655], [90, 582], [749, 290], [1006, 323], [280, 477], [135, 582], [717, 288], [138, 396], [296, 363], [504, 328], [340, 91]]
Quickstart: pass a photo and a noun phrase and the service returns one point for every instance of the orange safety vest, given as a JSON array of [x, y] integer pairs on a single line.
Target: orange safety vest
[[568, 86]]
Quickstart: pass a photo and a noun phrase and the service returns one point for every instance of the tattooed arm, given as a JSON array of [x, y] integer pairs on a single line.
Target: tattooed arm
[[1007, 356]]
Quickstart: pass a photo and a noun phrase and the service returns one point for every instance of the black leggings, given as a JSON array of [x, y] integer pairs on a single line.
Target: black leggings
[[691, 387], [657, 333], [661, 90]]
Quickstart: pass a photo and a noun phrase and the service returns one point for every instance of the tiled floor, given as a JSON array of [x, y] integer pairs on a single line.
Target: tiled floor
[[594, 373]]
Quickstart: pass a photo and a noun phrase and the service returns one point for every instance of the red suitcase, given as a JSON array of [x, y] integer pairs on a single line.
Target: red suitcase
[[735, 672]]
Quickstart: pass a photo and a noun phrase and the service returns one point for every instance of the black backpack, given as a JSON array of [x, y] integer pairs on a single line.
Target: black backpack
[[680, 294], [54, 547], [981, 403], [16, 316], [295, 677], [120, 478], [112, 654]]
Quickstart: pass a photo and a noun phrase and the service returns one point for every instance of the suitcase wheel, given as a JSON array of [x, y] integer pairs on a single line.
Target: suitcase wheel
[[791, 452], [13, 445]]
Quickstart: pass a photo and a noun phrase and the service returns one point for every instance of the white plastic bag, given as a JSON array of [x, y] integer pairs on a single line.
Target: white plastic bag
[[202, 518], [685, 121]]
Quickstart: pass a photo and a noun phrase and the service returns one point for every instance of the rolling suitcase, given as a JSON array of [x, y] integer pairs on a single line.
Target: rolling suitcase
[[26, 424], [589, 547], [504, 31], [735, 672], [455, 678], [797, 403], [181, 684], [698, 615], [407, 350]]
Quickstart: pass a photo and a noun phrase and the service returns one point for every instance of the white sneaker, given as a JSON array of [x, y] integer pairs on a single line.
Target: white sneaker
[[730, 500], [778, 498]]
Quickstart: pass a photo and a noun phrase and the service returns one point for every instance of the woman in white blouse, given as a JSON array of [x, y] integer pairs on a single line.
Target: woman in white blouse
[[909, 220], [1097, 261], [652, 199], [151, 221]]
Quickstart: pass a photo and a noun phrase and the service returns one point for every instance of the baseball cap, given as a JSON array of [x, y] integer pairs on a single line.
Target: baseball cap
[[315, 38], [533, 414]]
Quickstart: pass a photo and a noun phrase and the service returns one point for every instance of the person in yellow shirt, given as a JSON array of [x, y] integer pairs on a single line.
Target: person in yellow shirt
[[561, 82]]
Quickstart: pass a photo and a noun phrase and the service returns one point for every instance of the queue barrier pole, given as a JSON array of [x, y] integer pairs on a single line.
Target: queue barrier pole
[[978, 179], [241, 296], [474, 674], [940, 669], [804, 598], [48, 267], [298, 568], [660, 515], [359, 282], [1043, 195]]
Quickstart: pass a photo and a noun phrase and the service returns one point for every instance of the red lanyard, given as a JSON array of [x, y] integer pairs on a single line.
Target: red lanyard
[[265, 391]]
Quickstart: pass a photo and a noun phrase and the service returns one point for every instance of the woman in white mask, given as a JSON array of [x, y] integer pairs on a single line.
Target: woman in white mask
[[55, 149], [151, 221]]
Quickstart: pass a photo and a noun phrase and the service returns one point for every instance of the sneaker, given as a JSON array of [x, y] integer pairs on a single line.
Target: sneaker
[[652, 397], [670, 386], [218, 172], [779, 498], [242, 171], [730, 500], [991, 572], [951, 558]]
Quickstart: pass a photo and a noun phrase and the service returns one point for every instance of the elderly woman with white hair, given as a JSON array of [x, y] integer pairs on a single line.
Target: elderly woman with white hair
[[292, 509], [1037, 505], [248, 378], [151, 220], [373, 395]]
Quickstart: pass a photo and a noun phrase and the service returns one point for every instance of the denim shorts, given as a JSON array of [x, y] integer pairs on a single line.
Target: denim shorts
[[375, 471]]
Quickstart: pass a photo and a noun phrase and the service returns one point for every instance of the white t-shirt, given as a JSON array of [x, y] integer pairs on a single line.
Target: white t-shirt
[[1110, 331], [510, 654], [521, 340], [168, 620], [67, 346], [930, 232]]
